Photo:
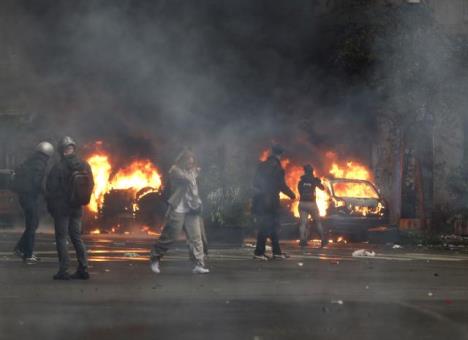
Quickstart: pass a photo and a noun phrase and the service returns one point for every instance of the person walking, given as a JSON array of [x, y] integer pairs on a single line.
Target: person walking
[[184, 213], [27, 183]]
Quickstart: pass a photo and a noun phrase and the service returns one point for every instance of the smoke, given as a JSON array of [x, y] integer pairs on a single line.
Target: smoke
[[181, 73]]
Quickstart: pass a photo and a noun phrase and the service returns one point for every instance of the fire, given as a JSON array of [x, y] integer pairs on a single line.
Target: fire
[[140, 174], [334, 169]]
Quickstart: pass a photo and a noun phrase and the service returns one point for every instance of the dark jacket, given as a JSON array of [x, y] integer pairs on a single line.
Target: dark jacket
[[31, 175], [268, 184], [58, 186], [307, 186]]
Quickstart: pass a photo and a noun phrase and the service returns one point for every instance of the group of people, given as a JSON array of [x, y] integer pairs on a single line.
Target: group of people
[[69, 186]]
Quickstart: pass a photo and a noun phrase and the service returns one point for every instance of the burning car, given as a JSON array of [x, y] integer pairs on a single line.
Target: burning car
[[350, 204], [354, 206]]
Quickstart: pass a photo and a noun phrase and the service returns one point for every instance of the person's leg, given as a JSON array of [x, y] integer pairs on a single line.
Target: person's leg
[[172, 228], [74, 232], [203, 236], [262, 235], [194, 239], [318, 222], [303, 227], [275, 226], [19, 248], [61, 231], [32, 222]]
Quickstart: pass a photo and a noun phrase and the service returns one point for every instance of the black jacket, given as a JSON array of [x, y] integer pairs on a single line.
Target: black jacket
[[268, 184], [31, 173], [306, 187], [58, 186]]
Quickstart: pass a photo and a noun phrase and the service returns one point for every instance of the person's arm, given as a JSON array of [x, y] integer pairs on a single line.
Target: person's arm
[[52, 188], [38, 169], [176, 174], [319, 184], [285, 189]]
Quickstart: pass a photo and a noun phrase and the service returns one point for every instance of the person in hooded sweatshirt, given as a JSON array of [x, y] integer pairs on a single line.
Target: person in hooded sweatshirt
[[308, 205], [66, 214], [27, 184], [184, 213]]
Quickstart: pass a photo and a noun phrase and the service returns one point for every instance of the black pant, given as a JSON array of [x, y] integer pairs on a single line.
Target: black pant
[[69, 225], [268, 226], [31, 223]]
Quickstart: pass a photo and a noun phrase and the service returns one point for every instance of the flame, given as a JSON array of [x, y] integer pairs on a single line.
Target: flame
[[140, 174], [334, 169]]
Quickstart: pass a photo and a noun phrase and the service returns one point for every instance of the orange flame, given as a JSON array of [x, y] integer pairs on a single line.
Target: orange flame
[[336, 169], [138, 175]]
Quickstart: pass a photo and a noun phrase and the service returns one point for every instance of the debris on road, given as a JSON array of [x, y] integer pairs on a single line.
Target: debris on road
[[337, 302], [430, 294], [363, 253], [300, 264], [396, 246], [107, 270]]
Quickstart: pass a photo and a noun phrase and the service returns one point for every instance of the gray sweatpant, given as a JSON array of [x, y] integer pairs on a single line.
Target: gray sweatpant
[[307, 209], [175, 223]]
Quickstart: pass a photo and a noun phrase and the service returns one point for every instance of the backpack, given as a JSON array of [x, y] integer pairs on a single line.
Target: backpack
[[81, 187]]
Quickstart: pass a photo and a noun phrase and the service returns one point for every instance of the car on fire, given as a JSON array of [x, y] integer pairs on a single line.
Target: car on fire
[[354, 207], [351, 208]]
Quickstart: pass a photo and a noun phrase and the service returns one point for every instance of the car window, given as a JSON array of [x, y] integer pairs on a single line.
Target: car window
[[354, 189]]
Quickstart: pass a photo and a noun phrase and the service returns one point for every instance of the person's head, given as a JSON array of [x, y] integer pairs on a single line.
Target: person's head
[[67, 146], [45, 148], [308, 169], [186, 160], [277, 150]]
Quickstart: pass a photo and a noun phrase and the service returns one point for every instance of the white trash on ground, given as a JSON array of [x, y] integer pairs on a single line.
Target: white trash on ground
[[397, 246], [363, 253]]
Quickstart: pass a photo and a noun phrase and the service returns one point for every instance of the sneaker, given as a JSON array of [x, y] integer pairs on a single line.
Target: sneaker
[[62, 276], [80, 275], [37, 259], [200, 270], [261, 257], [31, 260], [155, 265], [282, 256]]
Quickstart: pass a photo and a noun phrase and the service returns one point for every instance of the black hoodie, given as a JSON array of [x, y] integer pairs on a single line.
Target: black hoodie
[[58, 185], [307, 186]]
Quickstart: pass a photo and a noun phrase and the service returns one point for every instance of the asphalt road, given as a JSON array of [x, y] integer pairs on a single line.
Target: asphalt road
[[321, 294]]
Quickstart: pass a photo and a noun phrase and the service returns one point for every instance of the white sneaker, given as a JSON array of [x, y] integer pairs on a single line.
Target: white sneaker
[[200, 270], [155, 266]]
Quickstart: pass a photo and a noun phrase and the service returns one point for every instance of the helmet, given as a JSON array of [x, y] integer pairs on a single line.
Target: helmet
[[66, 141], [308, 169], [277, 149], [45, 148]]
